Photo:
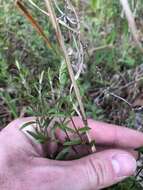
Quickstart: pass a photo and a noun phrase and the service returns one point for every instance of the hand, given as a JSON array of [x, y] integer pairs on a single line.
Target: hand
[[23, 166]]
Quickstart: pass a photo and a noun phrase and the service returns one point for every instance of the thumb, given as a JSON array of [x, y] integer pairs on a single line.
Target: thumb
[[102, 169]]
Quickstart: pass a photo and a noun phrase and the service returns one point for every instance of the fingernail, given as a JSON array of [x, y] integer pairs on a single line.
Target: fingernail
[[124, 165]]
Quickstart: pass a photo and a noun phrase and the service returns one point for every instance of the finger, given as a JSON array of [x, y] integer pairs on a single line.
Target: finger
[[104, 148], [103, 133], [86, 150], [100, 170], [113, 135]]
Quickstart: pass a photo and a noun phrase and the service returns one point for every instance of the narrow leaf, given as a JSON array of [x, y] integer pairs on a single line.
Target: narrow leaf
[[84, 129], [33, 21], [62, 155], [60, 39], [64, 127], [27, 124], [140, 149], [41, 138], [72, 142], [63, 74]]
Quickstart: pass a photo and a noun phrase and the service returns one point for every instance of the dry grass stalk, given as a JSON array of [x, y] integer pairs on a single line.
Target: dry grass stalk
[[60, 39], [131, 22], [47, 14], [34, 23]]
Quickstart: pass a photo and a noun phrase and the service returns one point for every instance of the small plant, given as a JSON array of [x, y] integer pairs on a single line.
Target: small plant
[[64, 102]]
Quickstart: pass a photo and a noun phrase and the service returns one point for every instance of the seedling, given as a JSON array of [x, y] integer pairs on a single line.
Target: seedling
[[45, 120]]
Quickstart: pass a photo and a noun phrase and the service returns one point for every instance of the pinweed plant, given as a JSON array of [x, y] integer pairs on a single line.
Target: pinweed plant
[[63, 102]]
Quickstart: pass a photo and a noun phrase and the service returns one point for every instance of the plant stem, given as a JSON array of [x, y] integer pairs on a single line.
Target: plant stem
[[33, 22], [76, 130], [68, 137], [68, 62]]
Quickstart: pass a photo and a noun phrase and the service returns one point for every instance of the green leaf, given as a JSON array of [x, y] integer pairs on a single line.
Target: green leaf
[[69, 129], [27, 124], [62, 155], [11, 103], [92, 143], [84, 129], [72, 142], [63, 74], [41, 78], [129, 61], [95, 4], [64, 127], [140, 149], [41, 138]]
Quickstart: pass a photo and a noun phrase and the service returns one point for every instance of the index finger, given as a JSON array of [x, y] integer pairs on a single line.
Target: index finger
[[109, 134]]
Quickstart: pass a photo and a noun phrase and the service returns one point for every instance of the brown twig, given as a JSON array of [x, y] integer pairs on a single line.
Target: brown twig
[[34, 23], [131, 21], [60, 39]]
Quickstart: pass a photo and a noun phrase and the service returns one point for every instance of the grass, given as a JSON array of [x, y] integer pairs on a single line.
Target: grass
[[34, 79]]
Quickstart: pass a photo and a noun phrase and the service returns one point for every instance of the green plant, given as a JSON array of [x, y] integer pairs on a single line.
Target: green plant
[[58, 102]]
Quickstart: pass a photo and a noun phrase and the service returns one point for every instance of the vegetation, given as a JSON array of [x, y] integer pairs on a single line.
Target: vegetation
[[34, 79]]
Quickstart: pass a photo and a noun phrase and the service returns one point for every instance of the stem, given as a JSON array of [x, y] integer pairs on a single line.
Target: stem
[[33, 22], [131, 22], [68, 62], [68, 137], [76, 129]]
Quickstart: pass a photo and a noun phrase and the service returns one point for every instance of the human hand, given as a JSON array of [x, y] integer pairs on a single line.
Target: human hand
[[23, 165]]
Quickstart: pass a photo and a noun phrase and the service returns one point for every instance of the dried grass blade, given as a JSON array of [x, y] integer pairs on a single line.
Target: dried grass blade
[[33, 22], [47, 14], [60, 39], [131, 22]]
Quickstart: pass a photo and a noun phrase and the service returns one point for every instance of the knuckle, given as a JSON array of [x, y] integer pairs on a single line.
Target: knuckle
[[96, 173]]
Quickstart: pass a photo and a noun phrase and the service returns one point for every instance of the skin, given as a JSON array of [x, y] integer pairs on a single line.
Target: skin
[[23, 165]]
